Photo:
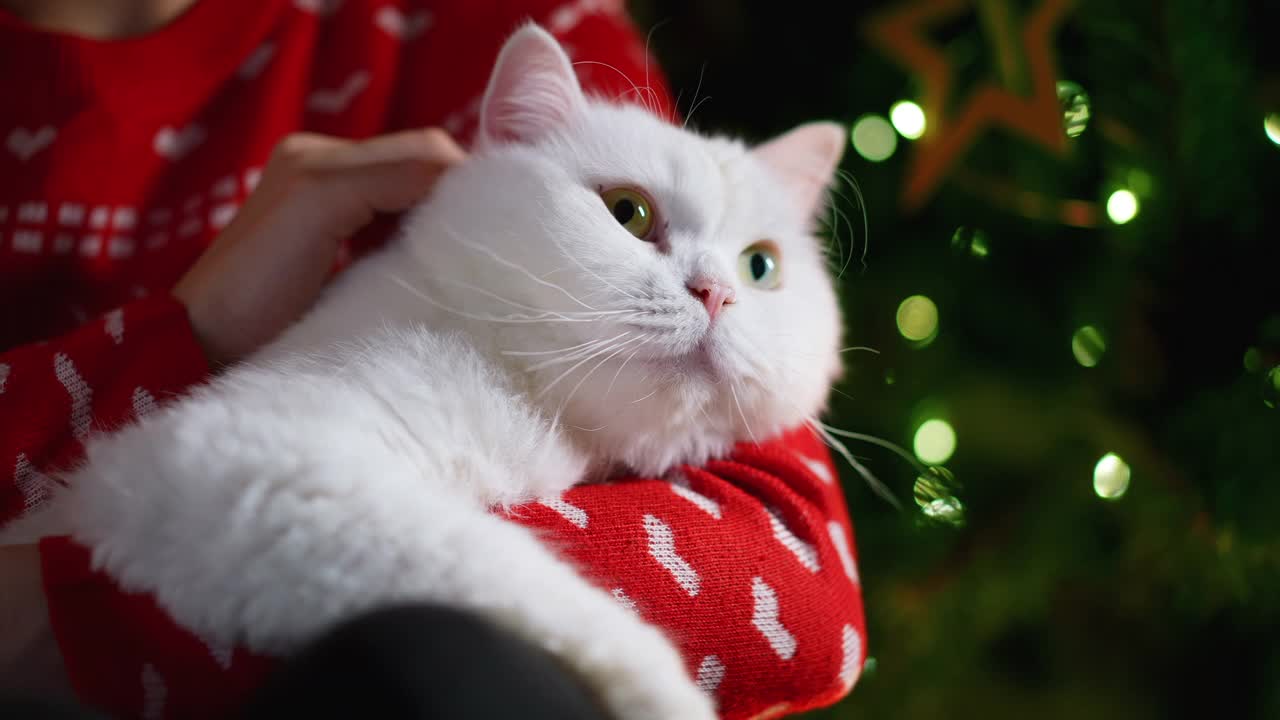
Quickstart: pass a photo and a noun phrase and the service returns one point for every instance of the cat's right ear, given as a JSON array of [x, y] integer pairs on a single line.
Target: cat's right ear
[[532, 92]]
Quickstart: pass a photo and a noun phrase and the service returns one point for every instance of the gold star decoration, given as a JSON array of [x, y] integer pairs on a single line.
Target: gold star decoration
[[901, 34]]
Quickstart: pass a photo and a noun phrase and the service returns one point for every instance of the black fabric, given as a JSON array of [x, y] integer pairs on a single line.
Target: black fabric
[[422, 662], [24, 708]]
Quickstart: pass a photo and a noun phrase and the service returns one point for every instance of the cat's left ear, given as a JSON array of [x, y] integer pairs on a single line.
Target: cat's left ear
[[805, 159], [532, 91]]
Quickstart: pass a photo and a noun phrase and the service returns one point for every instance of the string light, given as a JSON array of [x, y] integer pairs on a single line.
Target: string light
[[1111, 477], [918, 319], [1271, 125], [1088, 345], [1122, 206], [935, 441], [908, 118], [874, 138]]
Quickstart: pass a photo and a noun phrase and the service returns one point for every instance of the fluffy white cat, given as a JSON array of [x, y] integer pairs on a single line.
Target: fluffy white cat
[[594, 289]]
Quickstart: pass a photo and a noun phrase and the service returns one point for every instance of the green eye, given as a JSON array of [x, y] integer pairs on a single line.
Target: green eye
[[758, 266], [631, 210]]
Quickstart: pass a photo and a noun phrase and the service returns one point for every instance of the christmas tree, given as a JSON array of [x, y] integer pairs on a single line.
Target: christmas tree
[[1064, 281]]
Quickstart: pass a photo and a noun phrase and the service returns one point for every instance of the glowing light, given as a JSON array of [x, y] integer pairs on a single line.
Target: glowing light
[[908, 118], [874, 138], [918, 319], [1088, 345], [1252, 360], [970, 240], [1111, 477], [1272, 127], [935, 441], [935, 492], [1122, 206], [1075, 107], [1271, 388]]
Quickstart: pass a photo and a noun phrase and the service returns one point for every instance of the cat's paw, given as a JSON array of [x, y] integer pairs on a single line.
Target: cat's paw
[[639, 675]]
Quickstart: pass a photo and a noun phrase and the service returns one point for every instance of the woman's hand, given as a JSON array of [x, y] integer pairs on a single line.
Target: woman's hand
[[269, 265]]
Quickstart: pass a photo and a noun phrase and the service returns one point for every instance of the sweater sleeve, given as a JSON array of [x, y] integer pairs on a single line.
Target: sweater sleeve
[[55, 394]]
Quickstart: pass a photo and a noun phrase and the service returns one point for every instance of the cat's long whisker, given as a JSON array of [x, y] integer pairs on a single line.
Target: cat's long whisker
[[646, 397], [743, 415], [872, 439], [522, 306], [621, 368], [576, 355], [489, 252], [515, 318], [872, 481], [693, 104], [862, 206], [579, 364], [530, 353], [568, 398], [634, 87], [863, 348]]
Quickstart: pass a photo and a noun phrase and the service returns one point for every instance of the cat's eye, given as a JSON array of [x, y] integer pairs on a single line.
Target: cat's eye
[[758, 266], [631, 209]]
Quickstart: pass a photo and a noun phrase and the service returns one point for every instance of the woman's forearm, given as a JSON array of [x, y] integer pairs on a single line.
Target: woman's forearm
[[30, 662]]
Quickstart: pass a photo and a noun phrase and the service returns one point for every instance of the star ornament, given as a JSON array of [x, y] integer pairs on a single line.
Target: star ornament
[[901, 33]]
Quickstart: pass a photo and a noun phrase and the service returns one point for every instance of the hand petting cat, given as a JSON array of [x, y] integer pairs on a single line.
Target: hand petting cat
[[270, 264]]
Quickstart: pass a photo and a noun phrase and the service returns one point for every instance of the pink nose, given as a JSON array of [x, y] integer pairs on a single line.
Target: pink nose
[[713, 294]]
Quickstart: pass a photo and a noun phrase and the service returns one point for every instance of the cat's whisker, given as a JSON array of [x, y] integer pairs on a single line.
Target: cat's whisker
[[527, 353], [515, 318], [863, 348], [634, 87], [872, 481], [646, 397], [579, 364], [491, 254], [597, 366], [848, 178], [556, 313], [733, 391], [872, 439], [621, 368], [575, 355], [693, 104]]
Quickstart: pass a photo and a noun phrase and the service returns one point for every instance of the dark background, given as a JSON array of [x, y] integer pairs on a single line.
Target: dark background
[[1026, 593]]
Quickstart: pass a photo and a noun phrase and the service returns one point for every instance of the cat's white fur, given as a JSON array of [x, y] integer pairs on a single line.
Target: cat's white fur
[[354, 461]]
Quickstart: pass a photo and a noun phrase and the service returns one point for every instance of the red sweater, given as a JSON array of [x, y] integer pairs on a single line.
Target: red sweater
[[121, 161]]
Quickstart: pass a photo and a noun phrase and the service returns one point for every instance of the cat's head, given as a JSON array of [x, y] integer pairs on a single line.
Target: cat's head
[[662, 291]]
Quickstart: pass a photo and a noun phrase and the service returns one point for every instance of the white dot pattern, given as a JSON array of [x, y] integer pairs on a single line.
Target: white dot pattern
[[841, 544], [805, 552], [80, 392], [680, 486], [154, 693], [710, 674], [765, 618], [851, 665], [662, 546], [572, 513]]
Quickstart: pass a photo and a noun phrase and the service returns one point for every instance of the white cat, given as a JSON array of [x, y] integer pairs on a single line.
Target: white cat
[[594, 288]]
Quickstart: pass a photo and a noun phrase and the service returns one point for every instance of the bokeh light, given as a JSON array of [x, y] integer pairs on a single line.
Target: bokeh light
[[1088, 345], [918, 319], [1272, 127], [1111, 477], [1271, 387], [1075, 108], [1252, 359], [874, 138], [909, 119], [1122, 206], [935, 492], [971, 241], [935, 441]]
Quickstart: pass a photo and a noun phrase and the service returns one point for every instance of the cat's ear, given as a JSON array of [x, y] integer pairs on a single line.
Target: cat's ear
[[805, 159], [533, 89]]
